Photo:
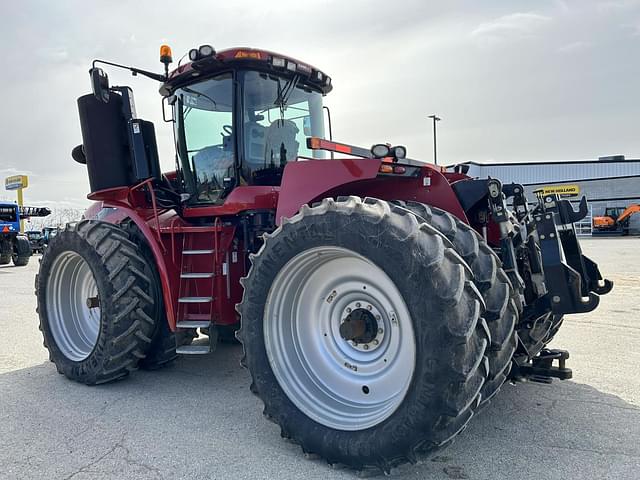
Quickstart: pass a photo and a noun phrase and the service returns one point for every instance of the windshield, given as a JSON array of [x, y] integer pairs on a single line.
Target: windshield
[[278, 116], [204, 134]]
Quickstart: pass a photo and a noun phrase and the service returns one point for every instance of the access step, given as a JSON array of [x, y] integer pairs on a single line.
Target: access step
[[197, 252], [195, 300], [193, 349], [193, 324], [197, 275]]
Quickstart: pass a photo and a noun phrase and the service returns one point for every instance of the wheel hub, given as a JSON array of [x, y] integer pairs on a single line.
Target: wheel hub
[[362, 326], [339, 338]]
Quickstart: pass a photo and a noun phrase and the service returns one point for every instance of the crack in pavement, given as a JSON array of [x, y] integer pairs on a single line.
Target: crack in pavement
[[127, 459]]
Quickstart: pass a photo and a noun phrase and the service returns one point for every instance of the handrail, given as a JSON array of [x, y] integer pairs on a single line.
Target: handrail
[[149, 182]]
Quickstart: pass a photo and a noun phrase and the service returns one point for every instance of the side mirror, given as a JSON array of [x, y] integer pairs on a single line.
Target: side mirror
[[99, 84]]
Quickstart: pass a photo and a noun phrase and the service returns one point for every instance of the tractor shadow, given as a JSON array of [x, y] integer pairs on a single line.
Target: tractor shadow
[[197, 419]]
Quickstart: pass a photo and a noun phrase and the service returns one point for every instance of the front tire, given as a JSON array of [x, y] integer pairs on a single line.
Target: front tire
[[329, 393], [95, 302]]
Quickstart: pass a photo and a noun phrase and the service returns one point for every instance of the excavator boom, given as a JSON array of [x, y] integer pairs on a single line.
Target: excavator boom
[[630, 210]]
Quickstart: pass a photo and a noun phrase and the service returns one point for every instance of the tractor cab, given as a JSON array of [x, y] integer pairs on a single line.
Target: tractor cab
[[239, 116], [241, 127]]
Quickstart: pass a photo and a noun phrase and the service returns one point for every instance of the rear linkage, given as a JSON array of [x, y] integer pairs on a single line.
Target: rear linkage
[[541, 244]]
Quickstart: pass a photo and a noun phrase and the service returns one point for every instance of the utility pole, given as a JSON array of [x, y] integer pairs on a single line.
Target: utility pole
[[435, 147]]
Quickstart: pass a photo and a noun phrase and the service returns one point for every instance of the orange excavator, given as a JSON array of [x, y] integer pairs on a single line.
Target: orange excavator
[[615, 220]]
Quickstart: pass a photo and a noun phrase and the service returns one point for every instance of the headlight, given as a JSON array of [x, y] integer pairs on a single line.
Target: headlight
[[380, 150], [206, 50], [400, 152], [193, 54], [278, 62]]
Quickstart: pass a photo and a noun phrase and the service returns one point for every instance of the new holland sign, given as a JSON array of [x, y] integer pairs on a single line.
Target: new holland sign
[[16, 182], [569, 190]]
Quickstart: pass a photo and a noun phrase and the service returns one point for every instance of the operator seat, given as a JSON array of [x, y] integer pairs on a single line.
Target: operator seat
[[254, 140], [281, 133]]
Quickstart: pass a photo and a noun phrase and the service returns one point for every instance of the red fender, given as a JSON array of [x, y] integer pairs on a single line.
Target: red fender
[[307, 181], [114, 213]]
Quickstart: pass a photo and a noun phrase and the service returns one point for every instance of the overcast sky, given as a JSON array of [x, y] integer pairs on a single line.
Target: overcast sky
[[512, 80]]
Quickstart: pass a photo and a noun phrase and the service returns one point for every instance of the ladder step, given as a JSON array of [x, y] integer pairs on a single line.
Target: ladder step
[[196, 275], [193, 350], [193, 324], [196, 316], [195, 299], [197, 252]]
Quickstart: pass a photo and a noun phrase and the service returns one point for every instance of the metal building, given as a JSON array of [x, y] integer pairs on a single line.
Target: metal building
[[607, 182]]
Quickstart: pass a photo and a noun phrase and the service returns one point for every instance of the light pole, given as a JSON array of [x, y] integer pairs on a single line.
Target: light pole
[[435, 148]]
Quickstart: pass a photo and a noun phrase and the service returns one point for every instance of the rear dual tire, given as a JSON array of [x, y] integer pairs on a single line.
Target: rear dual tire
[[439, 325], [501, 313]]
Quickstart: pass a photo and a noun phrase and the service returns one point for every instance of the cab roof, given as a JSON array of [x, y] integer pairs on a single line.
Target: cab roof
[[249, 58]]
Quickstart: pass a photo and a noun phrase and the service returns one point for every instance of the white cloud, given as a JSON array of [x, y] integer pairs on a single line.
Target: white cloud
[[509, 27], [575, 47]]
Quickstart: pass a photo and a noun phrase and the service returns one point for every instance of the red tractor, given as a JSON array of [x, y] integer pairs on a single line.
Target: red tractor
[[380, 301]]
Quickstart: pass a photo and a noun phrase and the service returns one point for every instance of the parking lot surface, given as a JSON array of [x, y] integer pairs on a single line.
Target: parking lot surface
[[197, 419]]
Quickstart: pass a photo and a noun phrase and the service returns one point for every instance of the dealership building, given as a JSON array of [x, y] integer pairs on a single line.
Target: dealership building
[[607, 182]]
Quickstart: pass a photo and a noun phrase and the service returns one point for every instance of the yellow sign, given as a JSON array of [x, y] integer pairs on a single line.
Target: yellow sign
[[569, 190], [16, 182]]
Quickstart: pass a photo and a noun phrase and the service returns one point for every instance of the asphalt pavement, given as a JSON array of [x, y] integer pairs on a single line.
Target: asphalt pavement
[[197, 419]]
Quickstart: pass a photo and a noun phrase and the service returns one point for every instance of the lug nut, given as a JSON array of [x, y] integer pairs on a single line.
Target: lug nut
[[375, 341], [348, 310], [369, 307], [358, 304], [380, 331], [365, 346]]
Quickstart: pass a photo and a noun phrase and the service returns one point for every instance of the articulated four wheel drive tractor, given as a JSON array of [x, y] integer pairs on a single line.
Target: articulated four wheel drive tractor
[[380, 301]]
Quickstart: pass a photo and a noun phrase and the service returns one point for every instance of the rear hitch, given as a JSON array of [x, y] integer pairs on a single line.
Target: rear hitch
[[540, 369], [573, 281]]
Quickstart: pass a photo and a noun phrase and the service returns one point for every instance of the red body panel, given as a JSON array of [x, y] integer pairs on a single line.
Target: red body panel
[[240, 199], [308, 181], [303, 182]]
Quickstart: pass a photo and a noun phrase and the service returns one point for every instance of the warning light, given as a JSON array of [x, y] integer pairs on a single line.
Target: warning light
[[165, 54]]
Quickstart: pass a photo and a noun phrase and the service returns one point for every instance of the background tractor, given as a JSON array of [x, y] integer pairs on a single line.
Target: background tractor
[[14, 246], [380, 301]]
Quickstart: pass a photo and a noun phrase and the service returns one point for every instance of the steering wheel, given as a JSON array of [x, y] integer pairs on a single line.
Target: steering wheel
[[228, 129]]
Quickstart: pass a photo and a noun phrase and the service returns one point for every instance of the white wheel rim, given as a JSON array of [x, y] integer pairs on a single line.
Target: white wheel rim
[[331, 379], [73, 324]]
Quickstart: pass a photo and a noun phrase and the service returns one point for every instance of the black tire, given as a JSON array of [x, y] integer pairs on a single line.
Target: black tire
[[450, 334], [5, 259], [126, 322], [161, 352], [501, 313], [21, 251]]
